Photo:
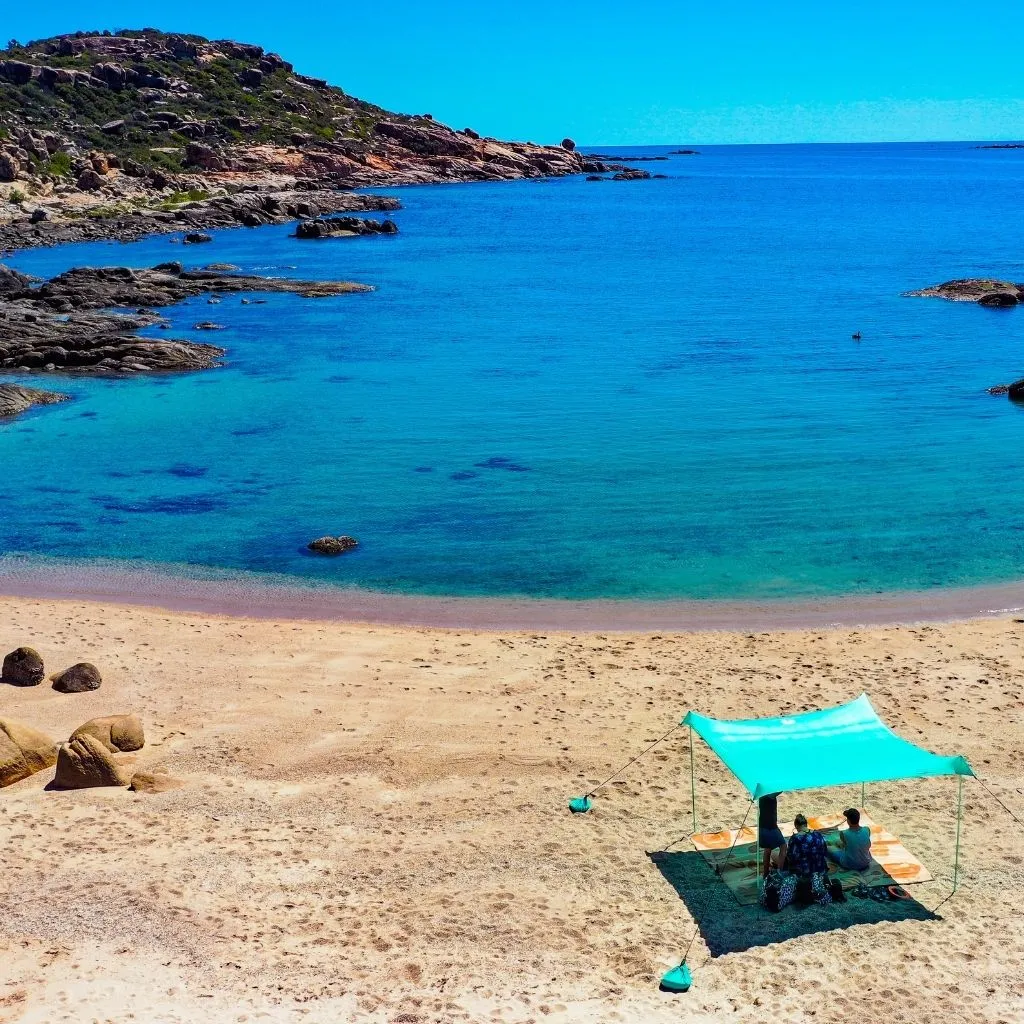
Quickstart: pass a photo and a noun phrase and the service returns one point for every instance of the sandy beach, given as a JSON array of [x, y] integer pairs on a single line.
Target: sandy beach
[[374, 826]]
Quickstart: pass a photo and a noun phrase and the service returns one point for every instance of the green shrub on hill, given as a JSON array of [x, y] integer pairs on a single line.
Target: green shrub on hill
[[275, 105]]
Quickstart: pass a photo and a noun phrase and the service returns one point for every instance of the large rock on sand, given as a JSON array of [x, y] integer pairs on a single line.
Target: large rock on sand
[[23, 752], [115, 732], [154, 782], [84, 762], [23, 667], [80, 678]]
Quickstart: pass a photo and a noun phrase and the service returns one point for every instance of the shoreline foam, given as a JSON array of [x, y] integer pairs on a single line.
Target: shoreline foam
[[199, 589]]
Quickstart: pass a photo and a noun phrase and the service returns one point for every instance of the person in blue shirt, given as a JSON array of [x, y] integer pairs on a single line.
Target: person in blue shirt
[[854, 851], [806, 850]]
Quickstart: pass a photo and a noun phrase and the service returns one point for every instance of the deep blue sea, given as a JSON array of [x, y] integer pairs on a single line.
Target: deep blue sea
[[576, 389]]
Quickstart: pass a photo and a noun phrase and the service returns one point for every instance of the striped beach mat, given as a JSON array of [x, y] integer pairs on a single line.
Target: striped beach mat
[[891, 861]]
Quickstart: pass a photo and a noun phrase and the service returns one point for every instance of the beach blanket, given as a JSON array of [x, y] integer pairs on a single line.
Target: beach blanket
[[891, 861]]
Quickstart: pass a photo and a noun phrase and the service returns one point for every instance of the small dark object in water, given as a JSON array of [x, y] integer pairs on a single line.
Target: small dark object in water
[[332, 545], [999, 389], [208, 325], [195, 237], [856, 335], [1016, 390]]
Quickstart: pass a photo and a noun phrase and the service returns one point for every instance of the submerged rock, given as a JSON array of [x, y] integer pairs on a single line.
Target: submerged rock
[[196, 237], [80, 678], [23, 667], [332, 545], [631, 174]]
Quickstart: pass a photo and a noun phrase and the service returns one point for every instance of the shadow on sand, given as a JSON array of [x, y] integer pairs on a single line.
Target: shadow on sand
[[728, 927]]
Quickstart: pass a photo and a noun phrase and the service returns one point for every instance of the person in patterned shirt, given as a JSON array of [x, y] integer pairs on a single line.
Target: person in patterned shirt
[[806, 853]]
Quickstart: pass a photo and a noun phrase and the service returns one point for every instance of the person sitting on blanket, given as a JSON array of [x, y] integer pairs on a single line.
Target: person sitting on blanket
[[806, 851], [854, 853]]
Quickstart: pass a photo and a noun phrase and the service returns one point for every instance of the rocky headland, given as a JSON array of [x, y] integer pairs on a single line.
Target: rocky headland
[[123, 135]]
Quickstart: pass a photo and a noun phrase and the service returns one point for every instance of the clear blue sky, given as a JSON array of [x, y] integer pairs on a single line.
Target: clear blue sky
[[631, 73]]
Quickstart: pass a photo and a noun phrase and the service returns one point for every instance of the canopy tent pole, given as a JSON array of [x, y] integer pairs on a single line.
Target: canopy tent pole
[[757, 850], [959, 816], [693, 791], [863, 797]]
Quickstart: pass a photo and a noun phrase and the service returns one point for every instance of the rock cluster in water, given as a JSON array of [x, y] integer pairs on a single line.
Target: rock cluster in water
[[344, 227], [332, 545], [985, 291], [71, 322]]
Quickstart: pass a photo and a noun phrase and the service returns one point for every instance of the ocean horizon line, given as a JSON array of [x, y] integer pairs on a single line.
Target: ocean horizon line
[[1007, 141]]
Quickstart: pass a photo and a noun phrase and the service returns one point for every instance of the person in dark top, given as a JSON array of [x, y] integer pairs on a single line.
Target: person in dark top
[[806, 852], [769, 835]]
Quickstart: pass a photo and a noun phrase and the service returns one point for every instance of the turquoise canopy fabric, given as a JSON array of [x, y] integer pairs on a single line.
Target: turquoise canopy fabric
[[833, 747]]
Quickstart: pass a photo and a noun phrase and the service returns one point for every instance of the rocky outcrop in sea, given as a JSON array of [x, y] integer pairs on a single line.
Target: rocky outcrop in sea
[[71, 323], [986, 291]]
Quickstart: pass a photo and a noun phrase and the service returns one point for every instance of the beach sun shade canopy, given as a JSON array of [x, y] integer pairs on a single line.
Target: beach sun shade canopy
[[832, 747]]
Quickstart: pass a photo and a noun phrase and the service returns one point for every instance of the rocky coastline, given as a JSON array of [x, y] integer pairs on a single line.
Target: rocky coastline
[[118, 136], [86, 321], [252, 207]]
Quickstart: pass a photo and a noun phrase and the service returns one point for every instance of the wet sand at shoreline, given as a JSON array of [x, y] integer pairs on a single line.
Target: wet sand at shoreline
[[374, 825], [267, 596]]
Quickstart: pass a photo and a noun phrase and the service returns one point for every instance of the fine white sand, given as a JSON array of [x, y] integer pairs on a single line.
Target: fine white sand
[[374, 826]]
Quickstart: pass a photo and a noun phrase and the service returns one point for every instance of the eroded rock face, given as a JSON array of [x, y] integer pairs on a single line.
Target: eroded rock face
[[80, 678], [332, 545], [986, 291], [23, 667], [344, 227], [116, 732], [23, 752], [84, 763]]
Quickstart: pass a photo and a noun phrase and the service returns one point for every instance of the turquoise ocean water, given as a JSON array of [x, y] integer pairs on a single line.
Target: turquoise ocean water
[[577, 389]]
